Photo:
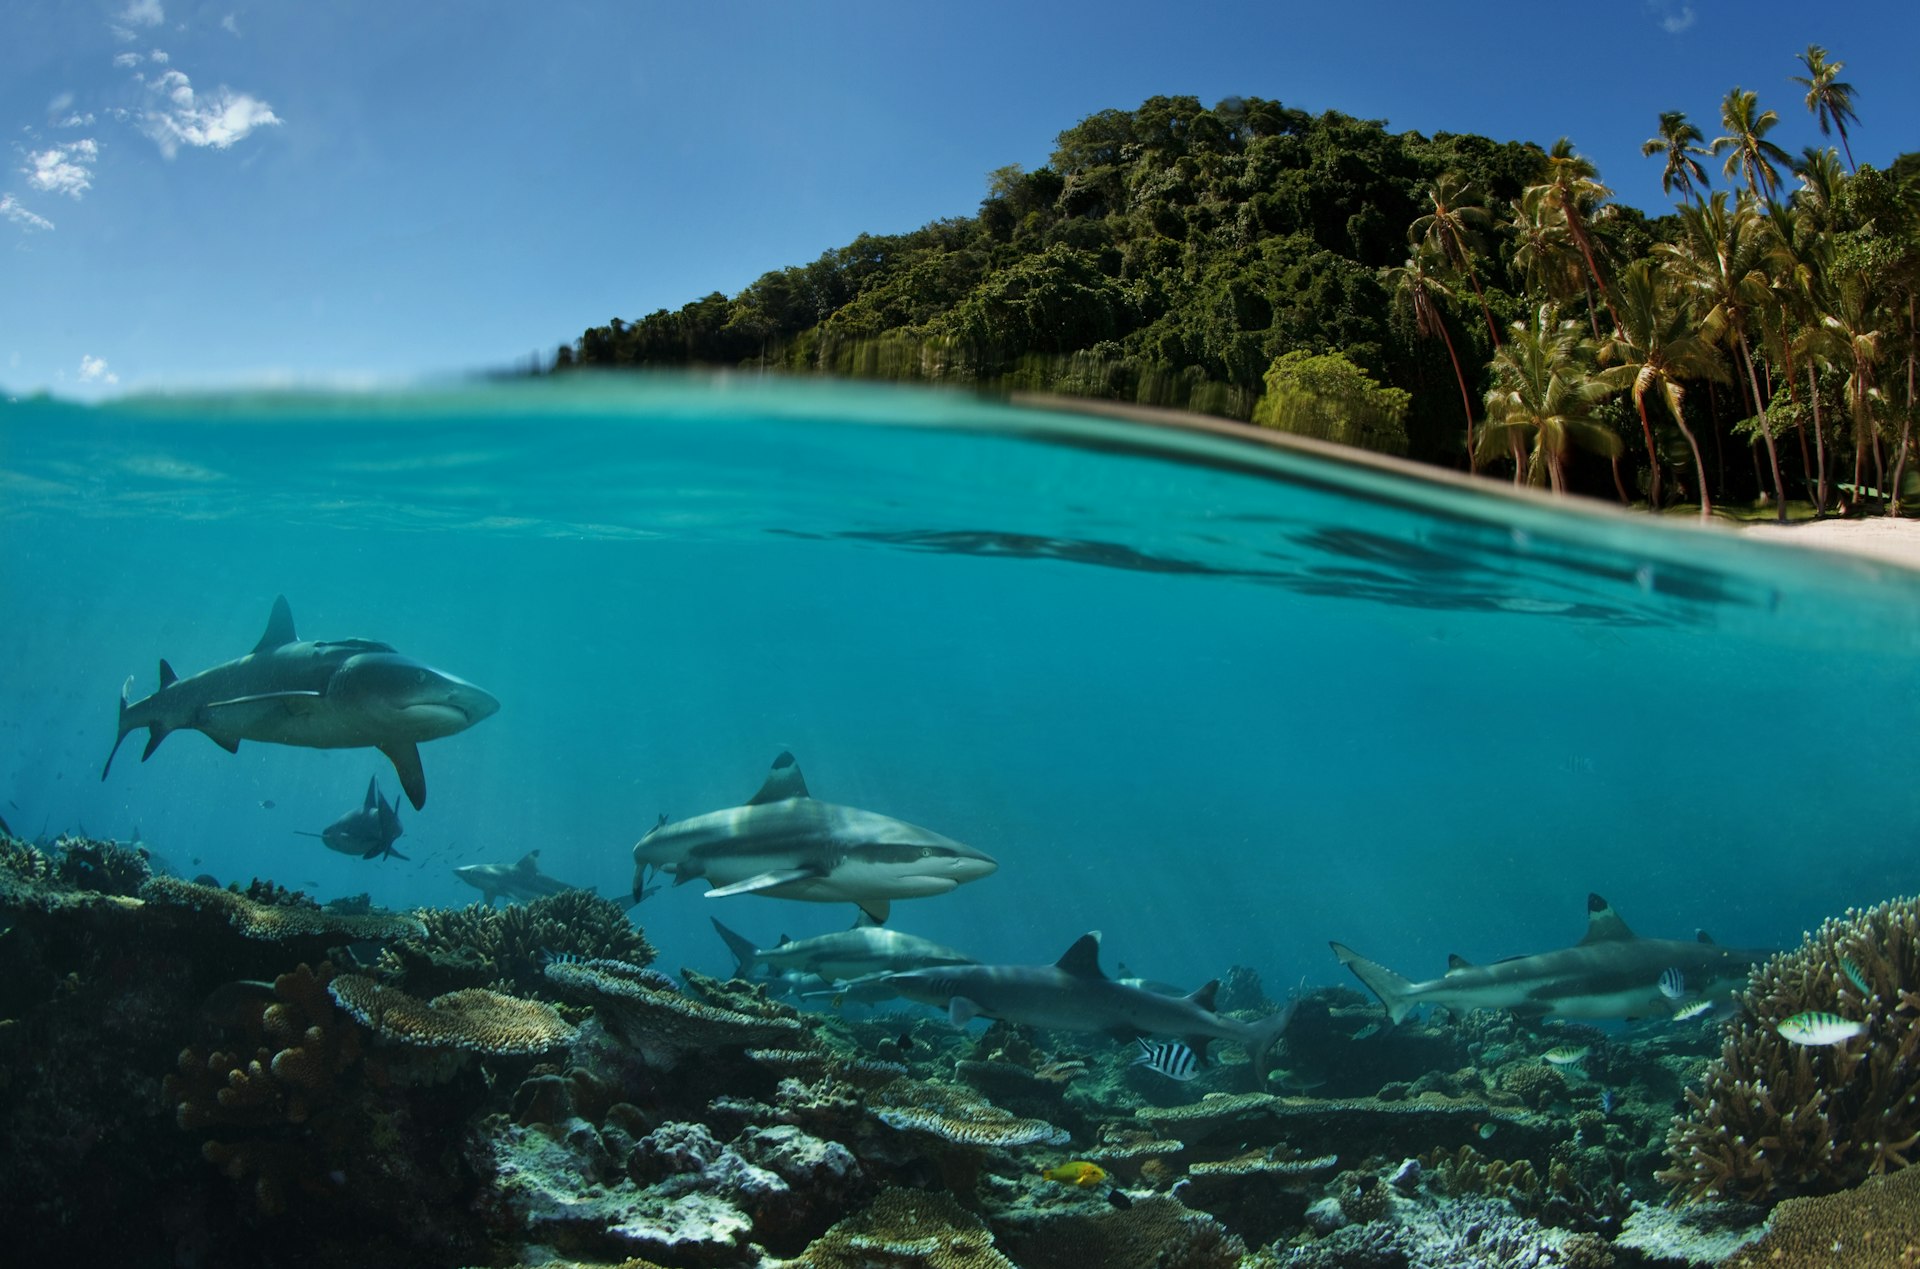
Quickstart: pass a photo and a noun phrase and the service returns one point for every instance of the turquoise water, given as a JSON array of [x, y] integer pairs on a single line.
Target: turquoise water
[[1222, 701]]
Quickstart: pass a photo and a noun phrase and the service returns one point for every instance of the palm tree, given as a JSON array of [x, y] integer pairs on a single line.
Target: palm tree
[[1571, 187], [1829, 100], [1415, 284], [1680, 142], [1657, 349], [1721, 259], [1748, 150], [1543, 383], [1544, 257], [1454, 230], [1850, 322], [1820, 181], [1804, 255]]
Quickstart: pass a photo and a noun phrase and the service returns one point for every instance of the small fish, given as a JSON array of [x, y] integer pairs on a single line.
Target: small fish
[[1367, 1032], [1568, 1054], [1169, 1057], [1816, 1028], [266, 804], [1487, 1131], [905, 1041], [1673, 983], [1607, 1101], [1854, 976], [1079, 1172], [1687, 1013], [1119, 1199]]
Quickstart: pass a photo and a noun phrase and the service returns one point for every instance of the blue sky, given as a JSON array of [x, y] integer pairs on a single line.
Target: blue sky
[[232, 191]]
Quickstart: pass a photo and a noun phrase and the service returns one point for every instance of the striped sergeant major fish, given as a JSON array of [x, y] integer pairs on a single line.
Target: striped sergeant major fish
[[1169, 1057]]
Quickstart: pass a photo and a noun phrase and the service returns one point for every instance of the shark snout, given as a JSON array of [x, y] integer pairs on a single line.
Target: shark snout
[[423, 702]]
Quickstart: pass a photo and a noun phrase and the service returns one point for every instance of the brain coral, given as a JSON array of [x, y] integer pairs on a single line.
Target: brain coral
[[1776, 1119]]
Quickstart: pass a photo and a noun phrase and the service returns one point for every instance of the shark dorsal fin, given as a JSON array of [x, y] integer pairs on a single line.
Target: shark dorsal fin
[[373, 793], [1204, 997], [167, 677], [784, 940], [783, 781], [1603, 923], [1457, 961], [279, 627], [1701, 936], [529, 863], [1082, 960]]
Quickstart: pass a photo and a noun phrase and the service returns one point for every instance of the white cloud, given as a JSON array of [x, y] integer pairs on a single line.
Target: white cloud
[[159, 57], [127, 61], [230, 25], [179, 116], [94, 370], [13, 211], [1674, 16], [76, 120], [63, 169]]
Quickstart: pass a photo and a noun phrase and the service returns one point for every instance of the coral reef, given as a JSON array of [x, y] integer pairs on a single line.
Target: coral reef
[[508, 948], [100, 866], [907, 1229], [276, 922], [1776, 1119], [472, 1019], [644, 1010], [1151, 1233], [1873, 1226]]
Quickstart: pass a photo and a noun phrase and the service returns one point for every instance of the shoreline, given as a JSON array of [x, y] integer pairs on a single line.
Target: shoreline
[[1881, 538]]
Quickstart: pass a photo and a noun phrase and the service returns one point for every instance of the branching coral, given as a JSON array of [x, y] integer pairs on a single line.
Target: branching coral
[[1776, 1119], [478, 946], [106, 867]]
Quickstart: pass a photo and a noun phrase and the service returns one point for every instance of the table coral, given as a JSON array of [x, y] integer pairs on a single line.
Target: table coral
[[276, 922], [662, 1024], [910, 1229], [1775, 1119], [472, 1019]]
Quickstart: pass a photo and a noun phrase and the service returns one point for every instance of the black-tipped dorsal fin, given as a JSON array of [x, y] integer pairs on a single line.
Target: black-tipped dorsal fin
[[1457, 961], [530, 862], [783, 781], [1701, 936], [862, 921], [1082, 960], [373, 793], [167, 677], [1603, 923], [279, 627], [1204, 997]]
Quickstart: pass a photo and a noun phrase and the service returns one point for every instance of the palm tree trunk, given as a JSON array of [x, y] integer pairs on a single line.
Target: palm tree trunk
[[1619, 486], [1766, 432], [1466, 400], [1819, 441], [1653, 457]]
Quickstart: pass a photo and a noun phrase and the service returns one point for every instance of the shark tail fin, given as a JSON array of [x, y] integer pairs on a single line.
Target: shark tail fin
[[1262, 1037], [157, 731], [744, 952], [391, 853], [1394, 991]]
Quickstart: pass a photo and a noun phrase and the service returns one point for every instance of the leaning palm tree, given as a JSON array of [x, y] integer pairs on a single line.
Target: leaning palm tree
[[1656, 349], [1722, 260], [1570, 189], [1829, 100], [1679, 141], [1417, 285], [1543, 385], [1455, 229], [1748, 151]]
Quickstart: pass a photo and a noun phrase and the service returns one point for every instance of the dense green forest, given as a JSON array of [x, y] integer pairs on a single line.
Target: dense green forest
[[1466, 302]]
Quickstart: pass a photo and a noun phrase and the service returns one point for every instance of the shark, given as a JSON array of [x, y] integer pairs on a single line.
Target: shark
[[326, 694], [1072, 994], [785, 843], [865, 949], [522, 881], [368, 831], [1610, 973]]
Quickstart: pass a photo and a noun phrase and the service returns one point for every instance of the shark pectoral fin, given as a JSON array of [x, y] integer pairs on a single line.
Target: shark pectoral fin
[[229, 743], [961, 1011], [405, 757], [373, 852], [763, 881]]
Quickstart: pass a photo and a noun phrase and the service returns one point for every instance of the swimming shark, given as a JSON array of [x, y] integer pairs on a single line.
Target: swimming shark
[[522, 881], [368, 831], [328, 694], [1611, 973], [786, 844], [1073, 995], [865, 949]]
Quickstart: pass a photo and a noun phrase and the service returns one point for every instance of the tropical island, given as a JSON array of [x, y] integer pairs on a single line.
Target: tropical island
[[1460, 301]]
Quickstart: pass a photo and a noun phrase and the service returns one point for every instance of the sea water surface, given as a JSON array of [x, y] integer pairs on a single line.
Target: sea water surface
[[1220, 700]]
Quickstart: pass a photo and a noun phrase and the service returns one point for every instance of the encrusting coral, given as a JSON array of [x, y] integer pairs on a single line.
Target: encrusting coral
[[472, 1019], [1872, 1226], [1776, 1119]]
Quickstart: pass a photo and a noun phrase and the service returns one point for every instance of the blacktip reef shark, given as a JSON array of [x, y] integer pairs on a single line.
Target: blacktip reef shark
[[1611, 973], [1073, 995], [522, 881], [368, 831], [845, 954], [789, 845], [317, 694]]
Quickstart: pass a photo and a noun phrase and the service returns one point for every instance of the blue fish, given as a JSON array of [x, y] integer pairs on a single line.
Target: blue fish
[[1169, 1057], [1854, 976]]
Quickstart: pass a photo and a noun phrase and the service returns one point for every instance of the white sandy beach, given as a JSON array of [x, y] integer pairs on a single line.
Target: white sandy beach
[[1880, 537]]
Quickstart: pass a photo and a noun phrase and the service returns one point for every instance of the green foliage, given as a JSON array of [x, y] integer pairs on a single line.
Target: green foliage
[[1327, 397]]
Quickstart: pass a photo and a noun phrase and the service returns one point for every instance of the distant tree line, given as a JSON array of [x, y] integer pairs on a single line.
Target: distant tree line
[[1463, 301]]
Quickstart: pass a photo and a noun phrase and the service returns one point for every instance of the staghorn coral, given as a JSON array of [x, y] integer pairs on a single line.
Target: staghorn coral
[[1775, 1119], [473, 1020], [908, 1229], [1873, 1226], [102, 866], [275, 922], [480, 946]]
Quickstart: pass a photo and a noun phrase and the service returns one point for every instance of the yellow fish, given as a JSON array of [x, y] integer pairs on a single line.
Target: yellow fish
[[1079, 1172]]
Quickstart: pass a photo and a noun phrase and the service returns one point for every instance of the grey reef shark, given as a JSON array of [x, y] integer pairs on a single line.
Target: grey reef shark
[[517, 882], [367, 831], [864, 950], [317, 694], [786, 844], [1072, 994], [1611, 973]]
